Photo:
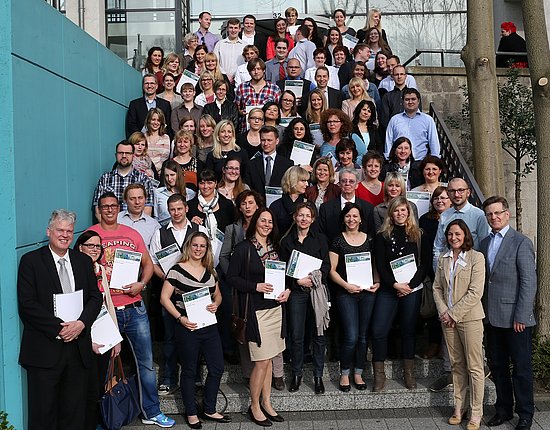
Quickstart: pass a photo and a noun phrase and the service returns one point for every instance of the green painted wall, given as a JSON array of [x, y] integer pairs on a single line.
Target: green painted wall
[[63, 98]]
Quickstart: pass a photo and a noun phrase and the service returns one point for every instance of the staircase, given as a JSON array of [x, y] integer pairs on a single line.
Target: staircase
[[395, 395]]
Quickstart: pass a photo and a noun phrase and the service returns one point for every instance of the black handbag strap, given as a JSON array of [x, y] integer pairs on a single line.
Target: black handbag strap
[[235, 306]]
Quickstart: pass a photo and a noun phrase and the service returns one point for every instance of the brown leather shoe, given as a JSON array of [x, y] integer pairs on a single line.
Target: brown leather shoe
[[379, 376], [278, 383], [432, 351], [408, 374]]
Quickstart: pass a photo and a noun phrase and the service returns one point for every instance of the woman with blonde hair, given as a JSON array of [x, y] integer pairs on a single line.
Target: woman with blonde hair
[[212, 64], [358, 92], [206, 84], [183, 155], [225, 146], [158, 141], [205, 137], [398, 237], [323, 187], [142, 162], [374, 19], [394, 186], [316, 105], [172, 64]]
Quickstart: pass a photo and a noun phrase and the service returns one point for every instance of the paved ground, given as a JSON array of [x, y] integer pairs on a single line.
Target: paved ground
[[378, 419]]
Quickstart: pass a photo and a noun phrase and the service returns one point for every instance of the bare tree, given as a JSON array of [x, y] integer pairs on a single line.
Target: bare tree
[[350, 6]]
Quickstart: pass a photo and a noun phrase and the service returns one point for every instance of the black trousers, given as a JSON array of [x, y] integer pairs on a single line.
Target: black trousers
[[57, 396]]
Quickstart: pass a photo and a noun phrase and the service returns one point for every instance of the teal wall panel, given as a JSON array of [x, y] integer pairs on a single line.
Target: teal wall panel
[[64, 99]]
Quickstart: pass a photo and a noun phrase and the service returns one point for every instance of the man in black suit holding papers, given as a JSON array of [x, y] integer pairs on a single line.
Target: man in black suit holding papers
[[130, 309], [57, 353]]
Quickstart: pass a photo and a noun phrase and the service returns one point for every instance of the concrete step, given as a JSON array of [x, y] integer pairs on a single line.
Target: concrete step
[[394, 396], [394, 370]]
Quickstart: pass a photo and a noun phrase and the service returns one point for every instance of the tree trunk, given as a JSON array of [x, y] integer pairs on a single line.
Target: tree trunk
[[479, 59], [519, 208], [539, 67]]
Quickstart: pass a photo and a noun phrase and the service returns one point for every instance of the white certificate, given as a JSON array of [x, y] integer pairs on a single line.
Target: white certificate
[[217, 243], [195, 305], [302, 152], [421, 199], [275, 275], [349, 41], [297, 87], [125, 269], [168, 257], [359, 269], [187, 76], [301, 265], [316, 134], [404, 268], [68, 306], [104, 331], [283, 122], [272, 194]]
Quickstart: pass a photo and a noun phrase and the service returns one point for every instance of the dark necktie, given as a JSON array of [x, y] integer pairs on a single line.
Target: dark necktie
[[268, 169]]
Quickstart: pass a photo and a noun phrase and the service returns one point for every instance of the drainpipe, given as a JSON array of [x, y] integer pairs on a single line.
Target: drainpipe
[[81, 10]]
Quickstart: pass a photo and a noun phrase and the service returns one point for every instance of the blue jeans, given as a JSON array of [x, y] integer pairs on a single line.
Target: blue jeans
[[387, 306], [298, 305], [190, 345], [355, 314], [135, 324], [170, 368]]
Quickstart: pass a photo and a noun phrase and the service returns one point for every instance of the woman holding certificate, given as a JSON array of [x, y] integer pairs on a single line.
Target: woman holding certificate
[[89, 243], [193, 279], [458, 288], [265, 320], [403, 257], [350, 251], [309, 293]]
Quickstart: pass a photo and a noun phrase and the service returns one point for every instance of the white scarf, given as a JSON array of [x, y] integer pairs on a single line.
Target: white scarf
[[211, 223]]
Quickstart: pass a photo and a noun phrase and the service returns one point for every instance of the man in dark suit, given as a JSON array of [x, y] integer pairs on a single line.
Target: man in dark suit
[[250, 36], [510, 290], [294, 73], [56, 354], [333, 97], [329, 212], [138, 108], [269, 168], [361, 52]]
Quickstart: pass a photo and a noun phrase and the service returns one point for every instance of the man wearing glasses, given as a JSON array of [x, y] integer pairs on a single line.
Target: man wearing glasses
[[509, 298], [120, 177], [130, 309]]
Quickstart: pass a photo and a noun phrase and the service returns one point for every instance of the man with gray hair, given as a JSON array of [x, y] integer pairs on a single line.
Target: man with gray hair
[[57, 353]]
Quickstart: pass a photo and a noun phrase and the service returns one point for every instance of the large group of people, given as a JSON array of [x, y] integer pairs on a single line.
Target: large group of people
[[215, 166]]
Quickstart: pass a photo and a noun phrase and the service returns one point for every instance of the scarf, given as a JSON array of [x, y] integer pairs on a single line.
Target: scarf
[[211, 223], [264, 254]]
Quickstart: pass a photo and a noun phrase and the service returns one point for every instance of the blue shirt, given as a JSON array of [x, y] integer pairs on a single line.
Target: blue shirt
[[209, 39], [303, 52], [494, 244], [474, 219], [420, 129]]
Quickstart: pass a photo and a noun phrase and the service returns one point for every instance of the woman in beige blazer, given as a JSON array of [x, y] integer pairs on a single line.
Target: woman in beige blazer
[[458, 288]]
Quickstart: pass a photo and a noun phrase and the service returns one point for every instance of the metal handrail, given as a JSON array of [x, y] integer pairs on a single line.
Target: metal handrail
[[453, 159], [441, 52]]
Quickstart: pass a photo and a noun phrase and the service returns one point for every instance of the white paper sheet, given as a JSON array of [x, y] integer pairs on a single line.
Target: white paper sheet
[[195, 305], [421, 199], [296, 86], [125, 268], [168, 257], [217, 243], [302, 152], [349, 41], [301, 265], [403, 268], [68, 306], [359, 269], [272, 194], [283, 122], [104, 331], [275, 275], [187, 76]]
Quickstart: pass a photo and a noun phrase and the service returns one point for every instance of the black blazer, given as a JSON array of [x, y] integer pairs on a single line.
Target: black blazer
[[255, 174], [335, 98], [37, 281], [305, 94], [229, 111], [137, 112], [329, 218]]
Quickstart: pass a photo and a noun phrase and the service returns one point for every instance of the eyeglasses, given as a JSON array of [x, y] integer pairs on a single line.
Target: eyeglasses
[[108, 207], [124, 153], [91, 246], [496, 214], [206, 80], [347, 181], [458, 191], [256, 118]]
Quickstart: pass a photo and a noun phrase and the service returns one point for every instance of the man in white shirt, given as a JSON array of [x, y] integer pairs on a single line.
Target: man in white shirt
[[320, 58], [135, 216], [229, 50], [303, 50]]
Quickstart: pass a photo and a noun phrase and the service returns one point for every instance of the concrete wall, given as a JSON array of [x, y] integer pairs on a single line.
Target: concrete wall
[[63, 98], [442, 86]]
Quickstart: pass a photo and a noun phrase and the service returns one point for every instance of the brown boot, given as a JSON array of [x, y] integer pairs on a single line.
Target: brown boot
[[379, 376], [408, 374]]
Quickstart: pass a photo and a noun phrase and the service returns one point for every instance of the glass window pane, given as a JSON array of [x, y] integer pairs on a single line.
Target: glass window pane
[[140, 4], [239, 9]]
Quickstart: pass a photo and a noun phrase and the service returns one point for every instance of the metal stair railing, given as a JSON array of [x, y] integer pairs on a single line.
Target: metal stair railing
[[453, 159]]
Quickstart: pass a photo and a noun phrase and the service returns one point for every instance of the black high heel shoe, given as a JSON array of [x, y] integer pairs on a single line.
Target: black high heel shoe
[[275, 418], [264, 423]]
